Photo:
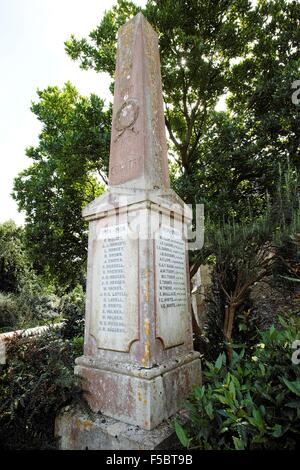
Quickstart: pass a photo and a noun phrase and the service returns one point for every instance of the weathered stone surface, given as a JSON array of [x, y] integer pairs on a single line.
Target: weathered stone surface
[[78, 430], [144, 217], [138, 153], [171, 286], [115, 322], [137, 397], [138, 302], [118, 199], [138, 364]]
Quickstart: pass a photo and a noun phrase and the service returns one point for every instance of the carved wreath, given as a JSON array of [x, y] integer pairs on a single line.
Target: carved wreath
[[126, 116]]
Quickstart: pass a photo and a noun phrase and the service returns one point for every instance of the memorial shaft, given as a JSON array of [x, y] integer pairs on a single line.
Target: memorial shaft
[[138, 361], [138, 153]]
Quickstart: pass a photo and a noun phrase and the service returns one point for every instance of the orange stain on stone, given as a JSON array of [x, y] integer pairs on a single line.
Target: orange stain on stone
[[147, 286], [147, 353], [147, 327], [87, 424]]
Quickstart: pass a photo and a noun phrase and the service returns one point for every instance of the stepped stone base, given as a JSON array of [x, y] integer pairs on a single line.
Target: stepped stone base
[[138, 396], [77, 429]]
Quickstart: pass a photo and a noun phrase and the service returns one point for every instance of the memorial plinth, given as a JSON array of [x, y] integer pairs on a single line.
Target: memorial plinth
[[138, 364]]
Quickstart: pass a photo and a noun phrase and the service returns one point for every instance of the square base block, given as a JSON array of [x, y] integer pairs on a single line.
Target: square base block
[[138, 396], [77, 429]]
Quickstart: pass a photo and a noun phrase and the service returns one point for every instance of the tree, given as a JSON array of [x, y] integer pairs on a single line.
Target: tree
[[71, 157], [260, 89], [244, 255], [248, 252], [197, 40], [227, 160], [207, 49], [14, 263]]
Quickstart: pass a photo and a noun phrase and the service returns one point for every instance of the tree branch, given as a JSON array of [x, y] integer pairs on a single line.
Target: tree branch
[[105, 181], [172, 137]]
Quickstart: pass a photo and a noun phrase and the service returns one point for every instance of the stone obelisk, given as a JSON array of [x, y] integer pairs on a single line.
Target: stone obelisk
[[138, 363], [138, 153]]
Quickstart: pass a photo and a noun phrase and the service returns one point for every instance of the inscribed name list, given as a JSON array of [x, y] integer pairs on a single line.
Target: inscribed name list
[[117, 279], [171, 287]]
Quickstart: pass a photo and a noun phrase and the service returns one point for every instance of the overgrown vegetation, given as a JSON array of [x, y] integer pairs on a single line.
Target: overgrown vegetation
[[28, 299], [37, 378], [246, 253], [15, 266], [36, 381], [251, 401], [241, 162], [228, 160]]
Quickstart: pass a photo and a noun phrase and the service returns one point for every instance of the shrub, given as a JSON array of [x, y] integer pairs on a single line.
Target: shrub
[[35, 383], [15, 267], [245, 253], [252, 402], [72, 308], [77, 345], [8, 312], [37, 307]]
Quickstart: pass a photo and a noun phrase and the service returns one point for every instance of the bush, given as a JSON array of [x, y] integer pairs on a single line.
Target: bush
[[251, 403], [27, 309], [37, 307], [36, 382], [15, 267], [8, 312], [245, 253], [72, 309]]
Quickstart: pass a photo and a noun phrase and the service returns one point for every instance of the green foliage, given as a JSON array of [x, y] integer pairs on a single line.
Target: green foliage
[[252, 402], [72, 151], [35, 383], [77, 345], [245, 253], [193, 36], [181, 434], [100, 52], [240, 249], [33, 305], [8, 312], [14, 263], [260, 85], [37, 308], [72, 309], [26, 299], [226, 160]]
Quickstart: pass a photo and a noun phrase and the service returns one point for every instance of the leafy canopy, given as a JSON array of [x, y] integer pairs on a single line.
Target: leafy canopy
[[227, 160], [65, 175]]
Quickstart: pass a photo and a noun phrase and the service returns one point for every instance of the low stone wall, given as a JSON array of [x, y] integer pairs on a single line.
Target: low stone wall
[[37, 331]]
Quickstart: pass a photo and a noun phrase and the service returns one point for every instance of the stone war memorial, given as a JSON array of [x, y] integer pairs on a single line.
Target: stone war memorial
[[139, 364]]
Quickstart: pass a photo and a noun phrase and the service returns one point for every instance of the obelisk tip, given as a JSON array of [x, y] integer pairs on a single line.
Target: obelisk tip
[[138, 152], [139, 18]]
